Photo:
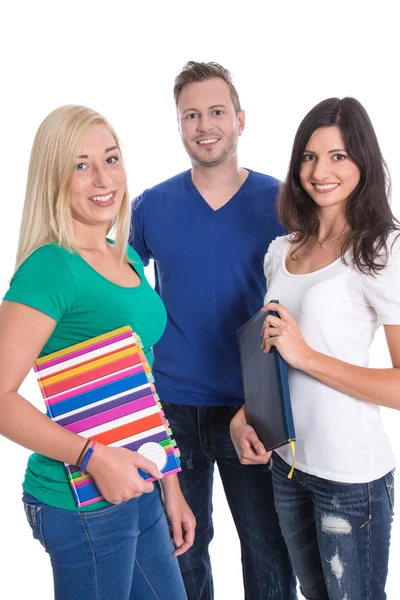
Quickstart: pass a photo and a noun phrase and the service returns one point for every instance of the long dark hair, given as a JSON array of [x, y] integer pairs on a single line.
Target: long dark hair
[[367, 209]]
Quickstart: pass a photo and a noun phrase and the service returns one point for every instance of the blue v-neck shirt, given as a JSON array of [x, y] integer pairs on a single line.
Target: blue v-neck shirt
[[209, 274]]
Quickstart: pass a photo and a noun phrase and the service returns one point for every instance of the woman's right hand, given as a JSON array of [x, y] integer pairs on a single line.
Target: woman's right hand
[[115, 471], [247, 445]]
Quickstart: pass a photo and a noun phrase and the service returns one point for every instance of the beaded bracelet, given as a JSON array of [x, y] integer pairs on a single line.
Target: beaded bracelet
[[87, 457]]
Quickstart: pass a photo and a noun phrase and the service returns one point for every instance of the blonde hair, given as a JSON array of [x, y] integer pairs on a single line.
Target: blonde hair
[[46, 215]]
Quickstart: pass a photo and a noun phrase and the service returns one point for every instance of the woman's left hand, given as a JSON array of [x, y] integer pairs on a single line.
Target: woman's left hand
[[284, 334], [183, 522]]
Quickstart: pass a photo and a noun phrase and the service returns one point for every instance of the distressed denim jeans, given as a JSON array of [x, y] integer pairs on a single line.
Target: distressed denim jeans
[[122, 552], [202, 434], [338, 534]]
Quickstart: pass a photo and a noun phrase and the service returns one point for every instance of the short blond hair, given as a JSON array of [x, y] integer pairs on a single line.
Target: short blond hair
[[46, 214]]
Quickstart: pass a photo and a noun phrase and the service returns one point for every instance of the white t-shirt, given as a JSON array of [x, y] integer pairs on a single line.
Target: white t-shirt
[[338, 310]]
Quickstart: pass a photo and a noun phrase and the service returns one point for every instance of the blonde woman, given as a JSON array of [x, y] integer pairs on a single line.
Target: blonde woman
[[73, 283]]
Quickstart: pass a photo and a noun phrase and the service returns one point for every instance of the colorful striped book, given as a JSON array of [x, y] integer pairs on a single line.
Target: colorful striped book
[[103, 390]]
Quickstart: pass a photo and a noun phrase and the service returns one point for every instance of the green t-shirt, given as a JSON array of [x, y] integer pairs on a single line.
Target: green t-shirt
[[84, 304]]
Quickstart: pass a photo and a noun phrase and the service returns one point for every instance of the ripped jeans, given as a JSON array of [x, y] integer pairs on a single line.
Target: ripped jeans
[[338, 534]]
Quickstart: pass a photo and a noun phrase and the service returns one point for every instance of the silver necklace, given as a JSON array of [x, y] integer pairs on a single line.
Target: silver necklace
[[323, 244]]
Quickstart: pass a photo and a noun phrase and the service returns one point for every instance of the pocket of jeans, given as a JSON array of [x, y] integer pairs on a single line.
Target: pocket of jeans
[[33, 513], [389, 482], [343, 483], [101, 512]]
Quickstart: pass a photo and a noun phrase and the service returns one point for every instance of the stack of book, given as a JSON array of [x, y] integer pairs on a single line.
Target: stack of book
[[103, 390]]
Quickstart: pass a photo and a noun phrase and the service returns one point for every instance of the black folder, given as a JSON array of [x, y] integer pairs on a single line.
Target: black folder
[[265, 385]]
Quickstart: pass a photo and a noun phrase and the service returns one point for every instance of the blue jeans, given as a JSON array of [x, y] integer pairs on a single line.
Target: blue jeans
[[202, 435], [122, 552], [338, 534]]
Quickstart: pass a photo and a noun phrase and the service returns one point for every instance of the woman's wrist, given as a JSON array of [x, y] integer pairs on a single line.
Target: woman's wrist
[[308, 363], [86, 456], [170, 486], [96, 461], [85, 447]]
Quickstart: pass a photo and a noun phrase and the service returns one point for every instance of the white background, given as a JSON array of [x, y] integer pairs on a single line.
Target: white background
[[120, 58]]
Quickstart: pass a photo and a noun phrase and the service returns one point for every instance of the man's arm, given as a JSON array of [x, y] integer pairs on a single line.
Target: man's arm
[[137, 235]]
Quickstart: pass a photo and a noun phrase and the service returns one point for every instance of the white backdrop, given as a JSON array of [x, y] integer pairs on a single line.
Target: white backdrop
[[120, 58]]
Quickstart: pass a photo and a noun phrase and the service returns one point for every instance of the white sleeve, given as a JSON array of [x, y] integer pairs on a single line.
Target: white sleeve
[[268, 264], [382, 291]]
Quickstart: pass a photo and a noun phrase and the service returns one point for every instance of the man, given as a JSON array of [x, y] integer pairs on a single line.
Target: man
[[207, 230]]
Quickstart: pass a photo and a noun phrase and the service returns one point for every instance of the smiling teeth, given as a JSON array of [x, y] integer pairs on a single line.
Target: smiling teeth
[[326, 186], [102, 198], [210, 141]]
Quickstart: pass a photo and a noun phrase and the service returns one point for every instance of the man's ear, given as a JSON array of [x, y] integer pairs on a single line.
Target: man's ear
[[241, 121]]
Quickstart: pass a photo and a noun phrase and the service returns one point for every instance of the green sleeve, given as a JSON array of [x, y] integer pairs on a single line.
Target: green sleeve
[[44, 281]]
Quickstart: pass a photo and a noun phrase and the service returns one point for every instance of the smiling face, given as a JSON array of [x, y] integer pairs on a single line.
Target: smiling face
[[327, 172], [98, 182], [208, 124]]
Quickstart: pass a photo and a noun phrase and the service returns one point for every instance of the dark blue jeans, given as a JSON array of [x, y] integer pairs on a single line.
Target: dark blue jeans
[[338, 534], [122, 552], [202, 435]]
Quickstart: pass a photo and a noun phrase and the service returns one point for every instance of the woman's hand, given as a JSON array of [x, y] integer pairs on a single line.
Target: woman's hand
[[115, 471], [247, 445], [183, 522], [284, 334]]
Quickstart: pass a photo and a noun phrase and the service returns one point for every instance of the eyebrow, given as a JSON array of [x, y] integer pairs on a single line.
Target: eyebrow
[[105, 152], [196, 109], [329, 152]]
